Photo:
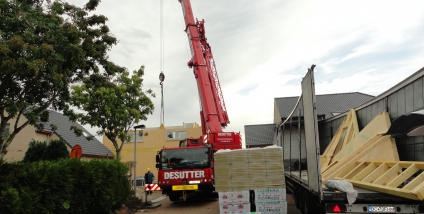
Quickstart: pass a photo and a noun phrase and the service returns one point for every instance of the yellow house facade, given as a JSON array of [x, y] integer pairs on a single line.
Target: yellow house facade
[[17, 149], [148, 146], [92, 149]]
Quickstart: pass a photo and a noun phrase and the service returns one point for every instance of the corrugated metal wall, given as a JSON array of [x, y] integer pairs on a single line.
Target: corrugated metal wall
[[406, 98]]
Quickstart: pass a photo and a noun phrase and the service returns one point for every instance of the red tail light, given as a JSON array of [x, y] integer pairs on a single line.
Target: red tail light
[[335, 208]]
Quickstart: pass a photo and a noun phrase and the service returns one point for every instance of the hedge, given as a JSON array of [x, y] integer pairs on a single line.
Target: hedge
[[63, 186]]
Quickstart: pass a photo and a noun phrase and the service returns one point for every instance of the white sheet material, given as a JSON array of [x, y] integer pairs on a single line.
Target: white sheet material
[[344, 186]]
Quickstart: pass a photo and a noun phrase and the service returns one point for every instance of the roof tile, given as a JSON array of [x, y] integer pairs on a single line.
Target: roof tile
[[92, 147]]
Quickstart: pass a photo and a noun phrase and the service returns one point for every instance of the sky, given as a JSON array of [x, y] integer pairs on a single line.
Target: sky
[[262, 50]]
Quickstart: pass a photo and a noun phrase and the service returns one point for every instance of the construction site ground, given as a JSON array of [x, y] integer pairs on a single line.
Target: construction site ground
[[193, 205]]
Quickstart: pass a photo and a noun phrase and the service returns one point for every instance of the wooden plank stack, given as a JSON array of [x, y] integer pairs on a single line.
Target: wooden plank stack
[[249, 169]]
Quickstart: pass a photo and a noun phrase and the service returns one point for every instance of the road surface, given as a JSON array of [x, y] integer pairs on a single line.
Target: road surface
[[196, 205]]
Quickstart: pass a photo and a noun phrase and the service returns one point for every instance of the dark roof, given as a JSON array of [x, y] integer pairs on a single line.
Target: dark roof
[[259, 135], [327, 104], [89, 148]]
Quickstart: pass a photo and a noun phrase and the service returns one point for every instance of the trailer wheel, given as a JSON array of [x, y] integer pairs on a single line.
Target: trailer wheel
[[174, 198]]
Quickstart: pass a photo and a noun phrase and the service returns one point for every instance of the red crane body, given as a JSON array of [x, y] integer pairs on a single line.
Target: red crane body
[[214, 112], [189, 167], [213, 115]]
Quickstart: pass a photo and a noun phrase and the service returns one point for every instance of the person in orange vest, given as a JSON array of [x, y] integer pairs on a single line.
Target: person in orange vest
[[149, 177]]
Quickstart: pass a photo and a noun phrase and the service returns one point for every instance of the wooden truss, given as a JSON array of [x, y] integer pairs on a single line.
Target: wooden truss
[[370, 160], [391, 177], [347, 130]]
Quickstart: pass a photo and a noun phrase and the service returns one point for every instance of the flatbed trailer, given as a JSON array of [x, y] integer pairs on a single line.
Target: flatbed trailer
[[303, 176], [366, 201]]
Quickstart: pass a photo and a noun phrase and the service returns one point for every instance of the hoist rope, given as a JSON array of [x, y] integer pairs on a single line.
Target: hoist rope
[[187, 46], [162, 62]]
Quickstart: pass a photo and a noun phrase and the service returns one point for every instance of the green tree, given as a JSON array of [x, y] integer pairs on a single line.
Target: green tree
[[114, 106], [46, 46], [41, 150], [35, 152], [56, 150]]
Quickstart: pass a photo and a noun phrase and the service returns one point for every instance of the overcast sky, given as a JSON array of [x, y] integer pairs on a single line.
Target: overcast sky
[[262, 49]]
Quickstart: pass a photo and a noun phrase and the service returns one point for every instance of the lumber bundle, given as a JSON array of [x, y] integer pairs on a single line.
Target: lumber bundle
[[370, 160], [249, 169]]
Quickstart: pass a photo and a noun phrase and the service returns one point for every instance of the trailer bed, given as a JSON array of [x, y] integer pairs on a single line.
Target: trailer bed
[[364, 195]]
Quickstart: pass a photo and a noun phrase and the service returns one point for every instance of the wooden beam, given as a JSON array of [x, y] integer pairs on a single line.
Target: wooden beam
[[375, 174], [380, 124], [386, 189], [415, 183], [390, 175], [352, 158], [344, 134], [361, 175], [405, 175], [360, 166]]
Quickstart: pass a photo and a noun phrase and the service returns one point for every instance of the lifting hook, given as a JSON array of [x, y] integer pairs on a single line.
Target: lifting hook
[[161, 77]]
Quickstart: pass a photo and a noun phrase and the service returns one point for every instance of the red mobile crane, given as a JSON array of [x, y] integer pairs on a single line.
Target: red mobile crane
[[189, 167]]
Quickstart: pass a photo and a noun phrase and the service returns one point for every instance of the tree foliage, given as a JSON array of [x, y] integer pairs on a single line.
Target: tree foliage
[[56, 150], [63, 186], [35, 151], [115, 106], [40, 150], [45, 46]]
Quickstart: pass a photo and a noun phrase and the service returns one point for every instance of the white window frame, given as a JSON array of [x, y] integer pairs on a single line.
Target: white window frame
[[140, 137], [176, 135]]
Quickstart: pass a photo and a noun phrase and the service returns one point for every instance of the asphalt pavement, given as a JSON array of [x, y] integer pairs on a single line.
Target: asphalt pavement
[[162, 204]]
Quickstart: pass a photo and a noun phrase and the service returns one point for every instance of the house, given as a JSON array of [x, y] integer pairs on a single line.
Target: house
[[90, 149], [328, 105], [147, 146]]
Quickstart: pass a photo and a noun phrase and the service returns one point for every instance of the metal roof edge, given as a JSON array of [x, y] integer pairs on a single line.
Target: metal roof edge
[[396, 87], [260, 124], [356, 92]]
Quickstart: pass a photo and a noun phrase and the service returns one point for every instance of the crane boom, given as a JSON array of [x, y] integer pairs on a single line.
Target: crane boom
[[213, 114], [190, 167]]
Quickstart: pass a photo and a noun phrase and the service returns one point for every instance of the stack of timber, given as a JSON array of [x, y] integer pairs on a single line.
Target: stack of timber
[[370, 160], [249, 169]]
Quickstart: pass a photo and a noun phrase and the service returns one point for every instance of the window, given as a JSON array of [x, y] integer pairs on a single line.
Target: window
[[176, 135], [185, 158], [7, 130], [140, 137]]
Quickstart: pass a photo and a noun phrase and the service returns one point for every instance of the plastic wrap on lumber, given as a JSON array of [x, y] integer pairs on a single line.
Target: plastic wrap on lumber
[[249, 169]]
